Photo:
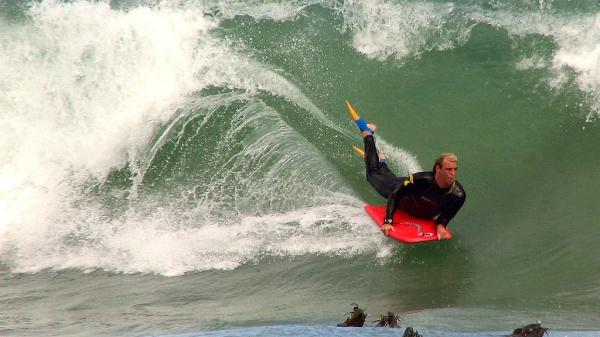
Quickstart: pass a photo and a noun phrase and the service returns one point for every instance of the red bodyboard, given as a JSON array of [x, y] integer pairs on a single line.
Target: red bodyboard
[[408, 229]]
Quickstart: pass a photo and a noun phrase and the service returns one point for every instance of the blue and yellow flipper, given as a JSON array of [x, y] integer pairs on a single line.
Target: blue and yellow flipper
[[361, 123]]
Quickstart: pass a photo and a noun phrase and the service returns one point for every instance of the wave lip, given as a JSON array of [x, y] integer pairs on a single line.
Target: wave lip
[[382, 30], [85, 88], [576, 38]]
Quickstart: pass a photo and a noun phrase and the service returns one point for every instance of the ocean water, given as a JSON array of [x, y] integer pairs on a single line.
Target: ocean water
[[184, 168]]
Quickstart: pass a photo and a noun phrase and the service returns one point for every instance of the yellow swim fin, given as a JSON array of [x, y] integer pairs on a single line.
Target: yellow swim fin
[[352, 112], [360, 152]]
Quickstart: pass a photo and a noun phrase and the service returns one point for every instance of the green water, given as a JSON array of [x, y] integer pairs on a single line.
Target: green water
[[170, 168]]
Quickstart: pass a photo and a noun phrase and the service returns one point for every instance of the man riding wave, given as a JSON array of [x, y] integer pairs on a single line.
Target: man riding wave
[[432, 195]]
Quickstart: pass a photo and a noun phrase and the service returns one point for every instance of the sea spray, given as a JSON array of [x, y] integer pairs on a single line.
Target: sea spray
[[91, 117]]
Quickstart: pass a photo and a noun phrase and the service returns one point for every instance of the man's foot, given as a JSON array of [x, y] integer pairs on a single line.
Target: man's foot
[[369, 130], [381, 156], [365, 129]]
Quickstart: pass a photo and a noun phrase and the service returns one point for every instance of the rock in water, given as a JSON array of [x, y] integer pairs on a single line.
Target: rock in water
[[410, 332], [530, 330], [389, 320], [356, 318]]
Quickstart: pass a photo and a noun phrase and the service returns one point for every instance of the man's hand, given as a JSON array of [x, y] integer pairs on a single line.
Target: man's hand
[[442, 233], [386, 228]]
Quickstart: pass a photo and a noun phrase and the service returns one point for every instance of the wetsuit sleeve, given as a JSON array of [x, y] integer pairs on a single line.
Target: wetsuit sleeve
[[449, 212], [398, 192], [391, 204]]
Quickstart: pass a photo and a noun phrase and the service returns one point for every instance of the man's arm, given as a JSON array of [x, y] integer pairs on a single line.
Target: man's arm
[[398, 192], [393, 202], [447, 214], [391, 205], [389, 212], [450, 211]]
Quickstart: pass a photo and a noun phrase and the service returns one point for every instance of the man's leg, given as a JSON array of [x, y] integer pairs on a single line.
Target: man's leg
[[371, 156], [378, 173]]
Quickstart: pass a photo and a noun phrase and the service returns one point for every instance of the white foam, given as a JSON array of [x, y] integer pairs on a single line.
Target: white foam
[[579, 49], [83, 89], [384, 29], [259, 10], [66, 83], [157, 244], [401, 160], [577, 39]]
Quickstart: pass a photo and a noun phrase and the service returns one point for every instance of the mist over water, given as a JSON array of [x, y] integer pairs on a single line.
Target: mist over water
[[202, 149]]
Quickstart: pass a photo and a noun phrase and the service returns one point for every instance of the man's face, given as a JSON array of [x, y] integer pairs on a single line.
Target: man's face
[[446, 174]]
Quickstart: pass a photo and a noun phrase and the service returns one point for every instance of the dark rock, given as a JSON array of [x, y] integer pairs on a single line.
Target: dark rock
[[530, 330], [356, 318], [410, 332], [389, 320]]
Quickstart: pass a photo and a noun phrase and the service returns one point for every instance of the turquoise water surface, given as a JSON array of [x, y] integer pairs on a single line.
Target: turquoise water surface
[[185, 167]]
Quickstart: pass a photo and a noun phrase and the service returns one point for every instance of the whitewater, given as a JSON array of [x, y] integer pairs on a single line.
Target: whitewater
[[186, 167]]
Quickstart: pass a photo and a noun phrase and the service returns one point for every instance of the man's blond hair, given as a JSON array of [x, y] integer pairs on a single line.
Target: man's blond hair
[[440, 160]]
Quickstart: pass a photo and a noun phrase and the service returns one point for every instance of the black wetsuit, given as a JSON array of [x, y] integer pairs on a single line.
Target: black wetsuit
[[417, 194]]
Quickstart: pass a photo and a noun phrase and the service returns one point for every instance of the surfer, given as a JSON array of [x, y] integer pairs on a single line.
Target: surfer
[[434, 195]]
